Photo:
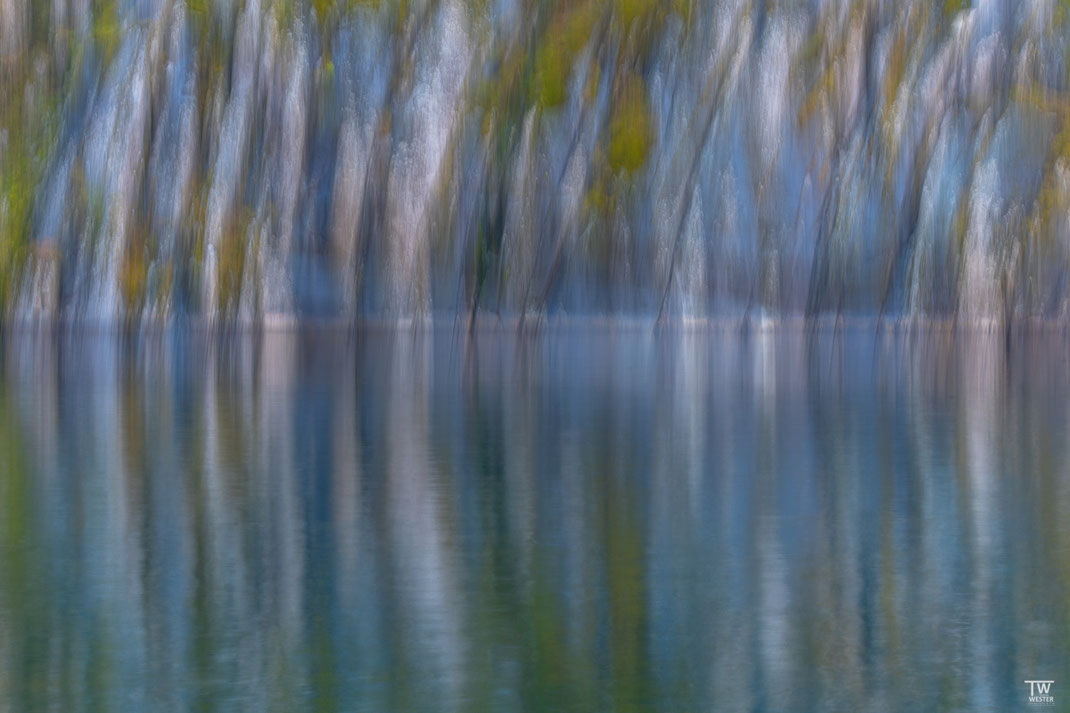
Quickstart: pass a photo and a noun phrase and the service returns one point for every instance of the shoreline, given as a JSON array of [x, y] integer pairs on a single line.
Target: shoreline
[[532, 325]]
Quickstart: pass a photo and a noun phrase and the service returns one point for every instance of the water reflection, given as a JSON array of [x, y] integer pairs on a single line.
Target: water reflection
[[617, 521]]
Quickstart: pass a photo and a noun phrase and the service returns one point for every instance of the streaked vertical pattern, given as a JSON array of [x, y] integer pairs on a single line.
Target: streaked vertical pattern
[[293, 161], [417, 521]]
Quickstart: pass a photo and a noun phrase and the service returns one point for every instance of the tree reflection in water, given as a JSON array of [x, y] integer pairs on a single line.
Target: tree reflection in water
[[616, 521]]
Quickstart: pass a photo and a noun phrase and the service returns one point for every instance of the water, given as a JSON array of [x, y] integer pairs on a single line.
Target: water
[[598, 521]]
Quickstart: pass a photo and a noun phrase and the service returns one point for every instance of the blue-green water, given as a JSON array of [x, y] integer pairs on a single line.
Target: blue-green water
[[616, 521]]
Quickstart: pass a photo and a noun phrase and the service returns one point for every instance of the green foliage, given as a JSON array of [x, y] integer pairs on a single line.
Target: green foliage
[[28, 126], [231, 268], [133, 276], [350, 5], [285, 13], [106, 27], [630, 130], [551, 75], [322, 7], [565, 38], [628, 11], [952, 7]]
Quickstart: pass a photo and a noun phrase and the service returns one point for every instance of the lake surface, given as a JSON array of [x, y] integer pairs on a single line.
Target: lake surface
[[609, 521]]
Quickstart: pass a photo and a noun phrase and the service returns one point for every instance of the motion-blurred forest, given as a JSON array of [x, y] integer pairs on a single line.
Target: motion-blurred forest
[[263, 161]]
